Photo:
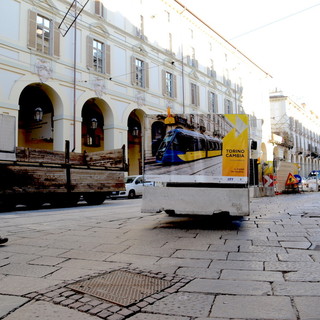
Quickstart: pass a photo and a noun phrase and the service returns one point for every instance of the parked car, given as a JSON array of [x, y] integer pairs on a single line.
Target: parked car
[[134, 187], [312, 182], [314, 174]]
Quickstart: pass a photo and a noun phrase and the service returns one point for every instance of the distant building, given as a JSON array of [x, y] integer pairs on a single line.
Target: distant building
[[91, 82], [295, 133]]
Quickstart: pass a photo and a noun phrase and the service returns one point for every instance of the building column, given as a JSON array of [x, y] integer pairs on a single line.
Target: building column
[[115, 137], [147, 134], [64, 130]]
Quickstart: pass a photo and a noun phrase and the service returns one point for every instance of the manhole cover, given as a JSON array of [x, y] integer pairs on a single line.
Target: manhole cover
[[121, 287]]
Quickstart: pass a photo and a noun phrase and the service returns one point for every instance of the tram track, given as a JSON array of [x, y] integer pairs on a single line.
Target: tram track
[[190, 168]]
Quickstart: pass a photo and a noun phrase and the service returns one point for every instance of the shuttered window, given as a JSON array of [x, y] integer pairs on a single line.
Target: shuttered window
[[228, 108], [212, 102], [98, 8], [139, 72], [169, 84], [98, 56], [43, 35], [195, 100]]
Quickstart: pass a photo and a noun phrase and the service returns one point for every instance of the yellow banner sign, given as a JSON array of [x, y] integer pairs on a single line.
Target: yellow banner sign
[[235, 152]]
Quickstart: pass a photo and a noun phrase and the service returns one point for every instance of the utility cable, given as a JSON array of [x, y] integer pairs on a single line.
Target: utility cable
[[275, 21]]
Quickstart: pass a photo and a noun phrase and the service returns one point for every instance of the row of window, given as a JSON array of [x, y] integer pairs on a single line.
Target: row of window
[[191, 60], [297, 126], [46, 41]]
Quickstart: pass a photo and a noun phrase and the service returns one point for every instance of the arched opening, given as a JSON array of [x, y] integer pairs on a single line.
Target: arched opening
[[286, 155], [264, 155], [301, 162], [92, 127], [35, 120], [134, 144], [158, 131], [276, 157]]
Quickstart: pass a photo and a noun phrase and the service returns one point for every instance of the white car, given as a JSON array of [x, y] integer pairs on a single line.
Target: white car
[[312, 182], [134, 187]]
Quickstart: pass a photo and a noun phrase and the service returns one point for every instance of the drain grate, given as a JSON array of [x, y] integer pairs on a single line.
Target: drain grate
[[121, 287]]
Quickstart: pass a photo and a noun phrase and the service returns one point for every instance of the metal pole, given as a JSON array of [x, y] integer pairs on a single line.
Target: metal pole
[[235, 98], [182, 62], [74, 77], [182, 70]]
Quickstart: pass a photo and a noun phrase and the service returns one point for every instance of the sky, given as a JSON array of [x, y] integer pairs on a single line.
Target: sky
[[281, 36]]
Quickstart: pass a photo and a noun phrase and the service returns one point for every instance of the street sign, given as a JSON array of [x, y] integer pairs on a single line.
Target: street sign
[[268, 180], [291, 179]]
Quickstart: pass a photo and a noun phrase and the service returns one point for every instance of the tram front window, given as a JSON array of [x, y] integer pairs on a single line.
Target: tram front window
[[164, 145]]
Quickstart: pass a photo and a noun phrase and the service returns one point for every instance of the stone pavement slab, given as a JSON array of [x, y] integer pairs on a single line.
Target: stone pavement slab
[[297, 289], [91, 264], [252, 307], [308, 307], [47, 311], [228, 287], [266, 243], [20, 248], [151, 316], [47, 261], [303, 275], [27, 270], [295, 257], [291, 266], [254, 256], [199, 254], [183, 304], [85, 255], [20, 258], [205, 273], [187, 262], [237, 265], [69, 273], [9, 303], [149, 251], [262, 271], [134, 259], [252, 275], [295, 244], [187, 243], [262, 249], [18, 285]]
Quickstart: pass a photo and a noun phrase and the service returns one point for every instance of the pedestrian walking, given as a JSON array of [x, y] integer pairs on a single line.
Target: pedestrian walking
[[3, 240]]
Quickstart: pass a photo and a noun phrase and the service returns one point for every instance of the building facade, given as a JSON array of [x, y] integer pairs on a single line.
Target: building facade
[[295, 133], [91, 80]]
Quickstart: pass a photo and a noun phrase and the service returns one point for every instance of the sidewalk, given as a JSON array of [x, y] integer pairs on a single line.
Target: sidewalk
[[195, 268]]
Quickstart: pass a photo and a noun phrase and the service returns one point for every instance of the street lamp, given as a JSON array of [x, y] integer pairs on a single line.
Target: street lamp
[[94, 123], [38, 114], [135, 132]]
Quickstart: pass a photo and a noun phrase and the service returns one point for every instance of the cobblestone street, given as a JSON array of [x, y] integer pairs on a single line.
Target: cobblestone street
[[266, 267]]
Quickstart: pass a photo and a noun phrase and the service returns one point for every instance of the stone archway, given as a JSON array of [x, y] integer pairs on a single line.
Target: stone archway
[[264, 154], [276, 157], [92, 134], [158, 131], [97, 135], [35, 120], [286, 155], [135, 128]]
